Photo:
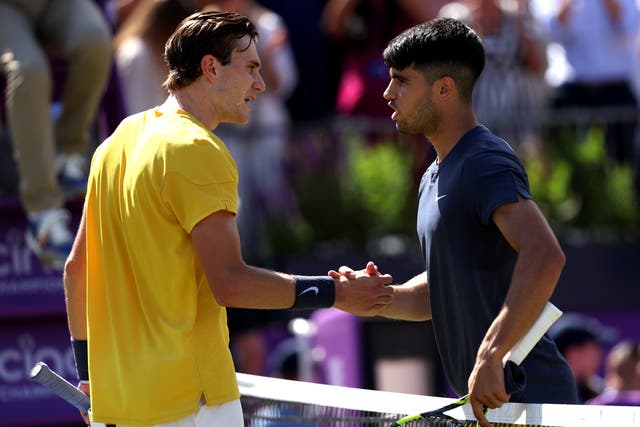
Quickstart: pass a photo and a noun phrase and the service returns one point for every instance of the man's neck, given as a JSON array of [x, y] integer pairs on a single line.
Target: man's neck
[[190, 99], [448, 135]]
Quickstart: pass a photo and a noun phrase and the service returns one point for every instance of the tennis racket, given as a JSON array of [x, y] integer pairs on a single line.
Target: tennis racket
[[514, 375], [63, 388]]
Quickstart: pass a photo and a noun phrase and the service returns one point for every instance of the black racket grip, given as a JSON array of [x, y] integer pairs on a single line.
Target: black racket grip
[[515, 379]]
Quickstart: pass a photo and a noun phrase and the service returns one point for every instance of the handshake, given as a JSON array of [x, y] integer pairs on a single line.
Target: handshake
[[363, 292]]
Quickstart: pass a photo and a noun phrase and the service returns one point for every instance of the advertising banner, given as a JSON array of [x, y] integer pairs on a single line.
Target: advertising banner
[[23, 402], [27, 288]]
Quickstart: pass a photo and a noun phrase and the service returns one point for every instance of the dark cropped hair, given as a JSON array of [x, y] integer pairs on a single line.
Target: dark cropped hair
[[443, 45], [203, 33]]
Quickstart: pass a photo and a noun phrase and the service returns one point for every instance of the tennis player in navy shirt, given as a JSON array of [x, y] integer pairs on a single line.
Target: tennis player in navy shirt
[[492, 260]]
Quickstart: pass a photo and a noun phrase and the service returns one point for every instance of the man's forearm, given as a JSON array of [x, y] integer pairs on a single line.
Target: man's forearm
[[534, 280], [410, 300], [76, 311], [75, 284]]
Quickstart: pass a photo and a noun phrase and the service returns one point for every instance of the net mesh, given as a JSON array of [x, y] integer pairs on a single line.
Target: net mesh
[[271, 402]]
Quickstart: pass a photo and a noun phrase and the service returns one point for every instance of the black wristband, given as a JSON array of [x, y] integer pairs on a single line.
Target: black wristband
[[314, 292], [82, 359]]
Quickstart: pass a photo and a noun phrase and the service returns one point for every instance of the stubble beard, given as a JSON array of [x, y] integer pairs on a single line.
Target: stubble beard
[[426, 120]]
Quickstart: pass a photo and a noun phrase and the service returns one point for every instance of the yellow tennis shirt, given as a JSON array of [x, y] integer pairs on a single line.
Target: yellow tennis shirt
[[158, 340]]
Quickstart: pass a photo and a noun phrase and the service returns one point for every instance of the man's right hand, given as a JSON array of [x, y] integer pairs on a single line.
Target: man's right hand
[[369, 270], [486, 388], [364, 292]]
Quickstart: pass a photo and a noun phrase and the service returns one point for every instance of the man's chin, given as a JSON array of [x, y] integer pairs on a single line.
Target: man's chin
[[239, 121], [405, 129]]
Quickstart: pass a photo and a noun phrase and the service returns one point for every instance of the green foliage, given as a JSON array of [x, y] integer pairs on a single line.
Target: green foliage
[[357, 192], [579, 187], [377, 181], [288, 236]]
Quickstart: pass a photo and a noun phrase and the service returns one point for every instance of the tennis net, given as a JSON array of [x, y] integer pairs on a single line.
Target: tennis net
[[272, 402]]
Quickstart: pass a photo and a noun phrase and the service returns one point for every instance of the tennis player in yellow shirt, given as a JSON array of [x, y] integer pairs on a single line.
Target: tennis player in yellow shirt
[[157, 258]]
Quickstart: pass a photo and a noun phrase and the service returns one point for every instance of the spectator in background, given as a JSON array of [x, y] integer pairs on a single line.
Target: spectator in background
[[51, 152], [581, 341], [361, 29], [139, 45], [595, 40], [123, 9], [314, 97], [509, 97], [622, 376]]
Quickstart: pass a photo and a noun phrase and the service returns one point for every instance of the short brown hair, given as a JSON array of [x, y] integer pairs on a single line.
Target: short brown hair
[[204, 33]]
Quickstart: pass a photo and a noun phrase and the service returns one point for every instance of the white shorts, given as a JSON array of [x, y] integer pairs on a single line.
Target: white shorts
[[226, 415]]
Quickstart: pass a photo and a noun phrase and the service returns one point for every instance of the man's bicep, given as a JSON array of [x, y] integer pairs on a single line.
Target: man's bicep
[[521, 223], [217, 244]]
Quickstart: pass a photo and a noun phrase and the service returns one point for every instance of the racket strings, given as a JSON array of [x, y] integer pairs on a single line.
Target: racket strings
[[443, 420]]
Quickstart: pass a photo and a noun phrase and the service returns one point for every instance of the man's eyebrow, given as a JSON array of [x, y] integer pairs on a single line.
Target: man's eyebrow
[[394, 74]]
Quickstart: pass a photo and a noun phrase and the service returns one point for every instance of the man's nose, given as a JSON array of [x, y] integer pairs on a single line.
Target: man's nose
[[260, 85]]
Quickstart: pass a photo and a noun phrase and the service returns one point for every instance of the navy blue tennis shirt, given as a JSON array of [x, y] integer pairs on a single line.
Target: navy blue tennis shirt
[[470, 264]]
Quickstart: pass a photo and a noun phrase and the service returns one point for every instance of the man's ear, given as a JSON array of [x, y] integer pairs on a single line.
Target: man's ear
[[446, 87], [210, 67]]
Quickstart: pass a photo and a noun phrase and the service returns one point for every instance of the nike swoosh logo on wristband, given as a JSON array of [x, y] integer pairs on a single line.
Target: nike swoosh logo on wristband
[[313, 289]]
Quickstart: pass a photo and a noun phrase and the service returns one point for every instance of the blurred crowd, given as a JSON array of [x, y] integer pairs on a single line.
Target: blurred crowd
[[606, 367], [572, 60], [72, 67]]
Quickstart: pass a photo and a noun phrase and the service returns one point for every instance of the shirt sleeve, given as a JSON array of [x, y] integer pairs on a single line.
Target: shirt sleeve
[[200, 180], [493, 180]]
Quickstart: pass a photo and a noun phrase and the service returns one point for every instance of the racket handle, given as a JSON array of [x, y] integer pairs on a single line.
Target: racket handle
[[63, 388], [550, 313]]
